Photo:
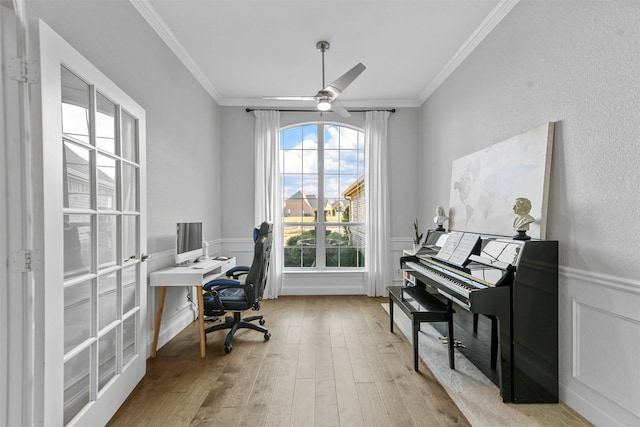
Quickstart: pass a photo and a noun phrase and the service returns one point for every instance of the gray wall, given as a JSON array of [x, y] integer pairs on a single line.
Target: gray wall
[[575, 63]]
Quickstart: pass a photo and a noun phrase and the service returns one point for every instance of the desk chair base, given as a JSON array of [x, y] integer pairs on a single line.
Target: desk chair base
[[236, 322]]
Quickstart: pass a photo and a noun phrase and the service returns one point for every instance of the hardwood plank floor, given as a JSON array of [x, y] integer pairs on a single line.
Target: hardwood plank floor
[[331, 361]]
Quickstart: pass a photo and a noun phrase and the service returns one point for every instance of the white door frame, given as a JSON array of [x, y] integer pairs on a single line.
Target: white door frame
[[20, 371]]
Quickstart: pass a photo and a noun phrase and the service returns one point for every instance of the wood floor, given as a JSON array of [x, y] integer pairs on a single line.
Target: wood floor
[[331, 361]]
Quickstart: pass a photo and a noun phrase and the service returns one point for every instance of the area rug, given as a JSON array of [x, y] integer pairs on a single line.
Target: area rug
[[476, 396]]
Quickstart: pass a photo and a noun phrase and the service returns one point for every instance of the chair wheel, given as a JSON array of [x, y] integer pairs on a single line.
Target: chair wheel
[[262, 322], [228, 348], [267, 336]]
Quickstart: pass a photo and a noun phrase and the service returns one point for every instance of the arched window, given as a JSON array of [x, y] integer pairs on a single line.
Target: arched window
[[323, 194]]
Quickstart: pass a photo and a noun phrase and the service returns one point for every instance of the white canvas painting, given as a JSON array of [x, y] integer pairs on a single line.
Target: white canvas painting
[[485, 184]]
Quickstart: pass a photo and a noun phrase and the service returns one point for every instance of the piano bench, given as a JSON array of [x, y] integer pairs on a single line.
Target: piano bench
[[420, 306]]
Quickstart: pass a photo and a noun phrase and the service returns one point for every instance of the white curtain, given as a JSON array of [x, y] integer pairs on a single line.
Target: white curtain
[[378, 250], [267, 202]]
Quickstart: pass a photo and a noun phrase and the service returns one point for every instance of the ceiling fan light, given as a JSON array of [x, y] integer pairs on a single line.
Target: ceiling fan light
[[324, 105]]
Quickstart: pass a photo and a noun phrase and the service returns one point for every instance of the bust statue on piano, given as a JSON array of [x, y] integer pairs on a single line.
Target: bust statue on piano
[[440, 218], [521, 208]]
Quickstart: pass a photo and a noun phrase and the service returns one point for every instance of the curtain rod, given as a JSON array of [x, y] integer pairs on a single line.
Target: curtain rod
[[249, 110]]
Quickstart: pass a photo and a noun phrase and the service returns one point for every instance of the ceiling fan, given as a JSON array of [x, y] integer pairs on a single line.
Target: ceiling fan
[[326, 98]]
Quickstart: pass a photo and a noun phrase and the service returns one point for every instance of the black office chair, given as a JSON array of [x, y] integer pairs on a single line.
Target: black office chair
[[241, 270], [222, 296]]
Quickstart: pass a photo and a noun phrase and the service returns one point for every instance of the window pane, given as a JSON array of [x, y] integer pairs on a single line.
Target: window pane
[[300, 244], [75, 106], [291, 138], [331, 161], [349, 162], [76, 384], [107, 174], [129, 288], [129, 240], [128, 339], [107, 299], [348, 138], [76, 176], [77, 245], [345, 246], [105, 124], [129, 137], [291, 184], [77, 314], [129, 187], [106, 358], [332, 187], [107, 240]]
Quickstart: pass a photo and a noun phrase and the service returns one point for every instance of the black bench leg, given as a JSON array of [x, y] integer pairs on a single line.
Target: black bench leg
[[391, 315], [450, 330], [475, 323], [416, 329]]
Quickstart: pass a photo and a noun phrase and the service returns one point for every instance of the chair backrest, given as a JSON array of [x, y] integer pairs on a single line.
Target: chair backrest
[[258, 273]]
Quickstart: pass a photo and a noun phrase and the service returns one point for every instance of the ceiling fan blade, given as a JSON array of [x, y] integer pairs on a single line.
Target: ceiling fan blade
[[338, 86], [290, 98], [339, 109]]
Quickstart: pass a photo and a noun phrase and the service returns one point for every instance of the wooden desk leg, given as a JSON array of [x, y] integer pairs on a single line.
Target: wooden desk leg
[[203, 350], [156, 332]]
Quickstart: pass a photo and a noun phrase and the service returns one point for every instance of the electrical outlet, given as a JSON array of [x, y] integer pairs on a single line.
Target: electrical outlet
[[398, 272]]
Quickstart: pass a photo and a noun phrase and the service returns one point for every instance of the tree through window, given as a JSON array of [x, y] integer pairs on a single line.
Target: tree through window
[[322, 187]]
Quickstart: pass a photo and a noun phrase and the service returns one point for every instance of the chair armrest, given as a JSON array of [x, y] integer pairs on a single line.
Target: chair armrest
[[217, 285], [237, 271]]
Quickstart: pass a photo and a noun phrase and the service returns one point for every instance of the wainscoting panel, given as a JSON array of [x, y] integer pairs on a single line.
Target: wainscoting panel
[[600, 346]]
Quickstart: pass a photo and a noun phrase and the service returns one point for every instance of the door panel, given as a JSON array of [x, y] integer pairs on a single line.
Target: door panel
[[94, 180]]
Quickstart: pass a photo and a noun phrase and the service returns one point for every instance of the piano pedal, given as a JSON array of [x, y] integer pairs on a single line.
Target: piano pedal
[[456, 343]]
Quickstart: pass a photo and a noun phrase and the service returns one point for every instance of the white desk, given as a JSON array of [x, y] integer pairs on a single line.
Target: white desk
[[196, 274]]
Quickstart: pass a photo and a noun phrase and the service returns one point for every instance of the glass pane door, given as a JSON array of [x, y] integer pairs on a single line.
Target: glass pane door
[[101, 223]]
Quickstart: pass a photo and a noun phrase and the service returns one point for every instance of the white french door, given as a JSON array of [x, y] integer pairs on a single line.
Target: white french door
[[94, 226]]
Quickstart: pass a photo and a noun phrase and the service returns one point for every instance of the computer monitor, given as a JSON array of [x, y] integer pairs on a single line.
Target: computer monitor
[[188, 241]]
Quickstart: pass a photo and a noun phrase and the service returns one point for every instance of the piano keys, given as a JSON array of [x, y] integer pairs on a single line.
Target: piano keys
[[515, 283]]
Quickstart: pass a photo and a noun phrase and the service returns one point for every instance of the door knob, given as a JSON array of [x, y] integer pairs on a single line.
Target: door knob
[[144, 257]]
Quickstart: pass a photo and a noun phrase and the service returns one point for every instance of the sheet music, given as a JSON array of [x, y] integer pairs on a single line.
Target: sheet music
[[450, 245], [458, 247], [465, 247]]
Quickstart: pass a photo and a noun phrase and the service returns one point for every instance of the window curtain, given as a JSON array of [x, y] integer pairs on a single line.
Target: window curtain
[[267, 195], [378, 248]]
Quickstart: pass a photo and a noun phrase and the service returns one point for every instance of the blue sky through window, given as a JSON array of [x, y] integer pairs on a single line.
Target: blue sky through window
[[343, 160]]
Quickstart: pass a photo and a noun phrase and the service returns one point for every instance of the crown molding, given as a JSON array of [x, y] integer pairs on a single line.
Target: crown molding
[[157, 23], [489, 23]]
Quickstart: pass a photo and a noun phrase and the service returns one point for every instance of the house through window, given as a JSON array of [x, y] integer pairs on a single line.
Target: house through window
[[322, 188]]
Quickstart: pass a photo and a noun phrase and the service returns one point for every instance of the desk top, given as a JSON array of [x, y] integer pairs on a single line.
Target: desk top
[[193, 274]]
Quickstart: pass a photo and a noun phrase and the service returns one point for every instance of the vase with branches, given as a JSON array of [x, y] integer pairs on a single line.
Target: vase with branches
[[417, 239]]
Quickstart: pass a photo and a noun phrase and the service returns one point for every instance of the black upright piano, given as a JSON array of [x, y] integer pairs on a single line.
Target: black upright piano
[[515, 284]]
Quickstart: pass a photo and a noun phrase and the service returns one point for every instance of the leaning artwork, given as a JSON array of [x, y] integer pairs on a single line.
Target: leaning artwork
[[485, 184]]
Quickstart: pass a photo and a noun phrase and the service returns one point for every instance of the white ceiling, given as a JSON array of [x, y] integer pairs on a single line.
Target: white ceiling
[[242, 50]]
